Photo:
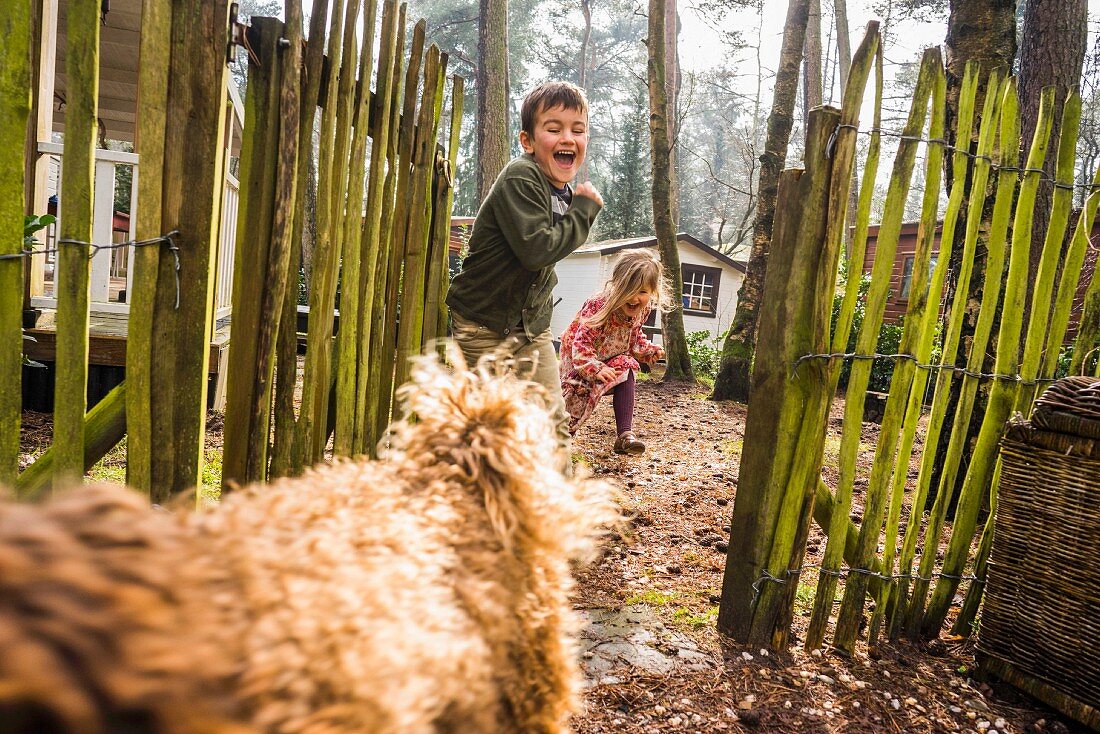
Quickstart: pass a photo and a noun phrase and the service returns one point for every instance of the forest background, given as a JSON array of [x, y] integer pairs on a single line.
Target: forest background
[[728, 51]]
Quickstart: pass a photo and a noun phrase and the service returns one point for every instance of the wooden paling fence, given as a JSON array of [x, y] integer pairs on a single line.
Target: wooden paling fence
[[373, 237], [382, 210], [797, 362]]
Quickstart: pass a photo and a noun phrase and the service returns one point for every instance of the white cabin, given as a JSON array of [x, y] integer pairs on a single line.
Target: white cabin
[[711, 282]]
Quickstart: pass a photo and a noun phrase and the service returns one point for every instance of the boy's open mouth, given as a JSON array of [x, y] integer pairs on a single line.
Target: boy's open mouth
[[565, 157]]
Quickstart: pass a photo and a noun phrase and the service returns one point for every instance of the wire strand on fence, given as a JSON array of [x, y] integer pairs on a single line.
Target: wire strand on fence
[[1067, 186], [767, 575], [94, 249], [921, 366]]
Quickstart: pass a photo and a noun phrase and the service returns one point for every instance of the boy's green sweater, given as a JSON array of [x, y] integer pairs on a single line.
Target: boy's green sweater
[[508, 279]]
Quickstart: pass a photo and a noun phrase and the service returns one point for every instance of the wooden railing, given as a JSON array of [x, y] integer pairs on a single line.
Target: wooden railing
[[108, 294]]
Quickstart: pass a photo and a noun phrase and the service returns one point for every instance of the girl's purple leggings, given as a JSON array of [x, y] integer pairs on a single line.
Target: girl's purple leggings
[[623, 401]]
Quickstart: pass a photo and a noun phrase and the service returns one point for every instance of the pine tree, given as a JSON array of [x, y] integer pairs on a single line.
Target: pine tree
[[627, 204]]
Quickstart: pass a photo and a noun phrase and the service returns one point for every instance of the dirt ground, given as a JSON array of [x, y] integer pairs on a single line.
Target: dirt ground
[[680, 493], [667, 570]]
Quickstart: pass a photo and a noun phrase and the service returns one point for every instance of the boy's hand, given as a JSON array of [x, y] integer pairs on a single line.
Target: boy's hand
[[587, 189]]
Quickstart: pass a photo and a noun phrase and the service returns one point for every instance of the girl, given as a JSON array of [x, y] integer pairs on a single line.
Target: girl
[[601, 348]]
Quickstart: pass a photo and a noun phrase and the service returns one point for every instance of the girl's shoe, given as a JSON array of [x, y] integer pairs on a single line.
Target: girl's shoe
[[628, 443]]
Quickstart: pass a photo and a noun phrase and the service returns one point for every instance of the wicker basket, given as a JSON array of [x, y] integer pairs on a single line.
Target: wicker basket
[[1040, 627]]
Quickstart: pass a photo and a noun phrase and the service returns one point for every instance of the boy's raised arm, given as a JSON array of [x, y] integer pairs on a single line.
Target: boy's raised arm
[[522, 219]]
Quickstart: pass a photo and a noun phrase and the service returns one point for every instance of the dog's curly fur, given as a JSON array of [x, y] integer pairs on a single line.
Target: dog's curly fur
[[427, 592]]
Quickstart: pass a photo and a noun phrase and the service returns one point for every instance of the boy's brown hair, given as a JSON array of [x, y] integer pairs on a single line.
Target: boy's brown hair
[[547, 96]]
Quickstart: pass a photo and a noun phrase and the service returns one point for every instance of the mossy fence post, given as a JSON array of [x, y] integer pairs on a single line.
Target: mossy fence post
[[286, 364], [775, 607], [353, 268], [379, 380], [15, 107], [263, 245], [777, 401], [74, 257], [372, 247], [411, 321], [156, 34], [309, 438], [191, 197]]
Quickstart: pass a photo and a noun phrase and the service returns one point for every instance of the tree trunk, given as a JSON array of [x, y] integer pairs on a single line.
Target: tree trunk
[[732, 381], [677, 359], [811, 81], [586, 39], [583, 62], [492, 93], [1052, 52], [982, 31], [673, 82]]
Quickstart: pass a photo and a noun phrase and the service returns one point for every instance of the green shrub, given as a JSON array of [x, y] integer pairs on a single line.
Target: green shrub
[[705, 353], [889, 340]]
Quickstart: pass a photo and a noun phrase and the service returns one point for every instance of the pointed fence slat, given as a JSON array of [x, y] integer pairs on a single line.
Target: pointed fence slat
[[988, 310], [888, 234], [287, 361], [435, 309], [380, 380], [400, 229], [995, 102], [322, 291], [917, 338], [895, 597], [336, 204], [1042, 289], [371, 244], [277, 273], [243, 436], [74, 260], [411, 318], [836, 543], [1067, 286], [15, 108], [194, 177], [1003, 394], [156, 32], [354, 270]]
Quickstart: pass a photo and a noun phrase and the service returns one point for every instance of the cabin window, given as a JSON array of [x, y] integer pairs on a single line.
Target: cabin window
[[907, 276], [701, 290]]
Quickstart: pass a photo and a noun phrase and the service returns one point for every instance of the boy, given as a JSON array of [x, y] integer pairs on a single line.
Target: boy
[[531, 219]]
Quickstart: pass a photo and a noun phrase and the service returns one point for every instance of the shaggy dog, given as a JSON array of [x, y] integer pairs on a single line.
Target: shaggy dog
[[427, 592]]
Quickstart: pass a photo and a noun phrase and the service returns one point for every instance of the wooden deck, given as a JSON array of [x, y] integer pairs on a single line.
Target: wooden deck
[[106, 359]]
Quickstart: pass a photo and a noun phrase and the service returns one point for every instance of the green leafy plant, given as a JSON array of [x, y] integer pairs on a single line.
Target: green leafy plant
[[889, 339], [31, 225], [705, 354]]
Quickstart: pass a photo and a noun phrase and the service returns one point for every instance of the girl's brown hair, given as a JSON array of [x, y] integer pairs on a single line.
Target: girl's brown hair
[[635, 269]]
